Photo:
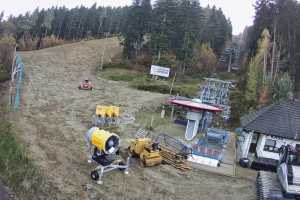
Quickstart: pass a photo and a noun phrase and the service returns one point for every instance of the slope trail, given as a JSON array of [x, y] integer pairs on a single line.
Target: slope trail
[[55, 115]]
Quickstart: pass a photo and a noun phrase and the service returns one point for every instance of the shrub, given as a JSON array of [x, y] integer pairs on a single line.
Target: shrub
[[7, 47], [51, 41], [26, 43]]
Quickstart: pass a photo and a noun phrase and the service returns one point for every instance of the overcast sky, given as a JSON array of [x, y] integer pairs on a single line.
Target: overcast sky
[[240, 12]]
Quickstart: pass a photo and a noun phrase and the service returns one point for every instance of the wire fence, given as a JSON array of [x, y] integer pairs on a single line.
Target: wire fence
[[17, 76]]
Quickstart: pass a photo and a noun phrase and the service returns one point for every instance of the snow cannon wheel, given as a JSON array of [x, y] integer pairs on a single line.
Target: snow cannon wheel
[[122, 163], [95, 175]]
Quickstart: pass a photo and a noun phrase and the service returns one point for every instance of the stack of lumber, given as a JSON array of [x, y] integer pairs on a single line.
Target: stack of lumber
[[170, 157]]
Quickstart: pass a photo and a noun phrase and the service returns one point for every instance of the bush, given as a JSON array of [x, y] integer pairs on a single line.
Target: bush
[[26, 43], [239, 106], [7, 47], [51, 41], [204, 59]]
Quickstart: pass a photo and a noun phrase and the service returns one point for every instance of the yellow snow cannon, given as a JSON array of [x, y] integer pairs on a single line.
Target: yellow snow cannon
[[103, 148]]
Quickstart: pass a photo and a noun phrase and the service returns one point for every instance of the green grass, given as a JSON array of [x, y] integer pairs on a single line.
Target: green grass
[[188, 89], [184, 86], [120, 74], [145, 117], [16, 169]]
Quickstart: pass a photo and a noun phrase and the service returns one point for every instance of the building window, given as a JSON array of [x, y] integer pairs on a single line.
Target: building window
[[270, 145]]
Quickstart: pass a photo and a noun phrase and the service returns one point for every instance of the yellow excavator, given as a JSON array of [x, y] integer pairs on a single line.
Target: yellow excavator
[[146, 150]]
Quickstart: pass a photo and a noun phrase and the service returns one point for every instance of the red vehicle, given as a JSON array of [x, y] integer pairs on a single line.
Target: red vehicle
[[85, 85]]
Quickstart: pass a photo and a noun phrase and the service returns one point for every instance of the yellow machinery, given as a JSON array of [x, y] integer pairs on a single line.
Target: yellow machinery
[[146, 150], [103, 148], [106, 116]]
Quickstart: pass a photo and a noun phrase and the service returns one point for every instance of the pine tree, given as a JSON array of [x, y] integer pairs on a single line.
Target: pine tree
[[136, 28]]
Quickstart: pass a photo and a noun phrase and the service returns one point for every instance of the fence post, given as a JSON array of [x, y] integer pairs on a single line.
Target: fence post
[[12, 77]]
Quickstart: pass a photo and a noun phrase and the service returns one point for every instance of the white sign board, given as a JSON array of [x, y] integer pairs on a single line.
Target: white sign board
[[160, 71]]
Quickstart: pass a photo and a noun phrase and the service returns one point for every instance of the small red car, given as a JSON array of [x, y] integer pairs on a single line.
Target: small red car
[[85, 85]]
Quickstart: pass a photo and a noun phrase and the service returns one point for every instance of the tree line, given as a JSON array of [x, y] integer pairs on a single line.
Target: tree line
[[170, 32], [175, 30], [64, 24], [271, 68]]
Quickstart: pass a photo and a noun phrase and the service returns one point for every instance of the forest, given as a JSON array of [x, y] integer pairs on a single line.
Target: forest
[[168, 31], [270, 56]]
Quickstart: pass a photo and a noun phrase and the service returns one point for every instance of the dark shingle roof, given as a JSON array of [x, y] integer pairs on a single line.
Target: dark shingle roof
[[281, 119]]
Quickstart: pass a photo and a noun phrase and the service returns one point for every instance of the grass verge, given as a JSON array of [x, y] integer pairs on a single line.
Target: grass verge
[[16, 170]]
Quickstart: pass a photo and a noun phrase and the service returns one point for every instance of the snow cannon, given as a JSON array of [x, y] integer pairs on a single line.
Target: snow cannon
[[103, 148], [105, 142]]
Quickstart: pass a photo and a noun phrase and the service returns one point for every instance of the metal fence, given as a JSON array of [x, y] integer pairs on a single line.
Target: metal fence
[[17, 76]]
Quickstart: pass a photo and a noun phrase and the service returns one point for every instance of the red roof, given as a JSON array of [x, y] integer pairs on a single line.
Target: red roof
[[194, 105]]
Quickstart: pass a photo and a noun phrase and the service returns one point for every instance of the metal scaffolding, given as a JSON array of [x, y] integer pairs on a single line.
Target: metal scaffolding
[[217, 92]]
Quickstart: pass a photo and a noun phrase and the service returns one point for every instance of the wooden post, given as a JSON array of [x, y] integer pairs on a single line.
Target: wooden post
[[172, 113], [172, 84], [103, 52], [151, 124], [12, 72], [162, 113]]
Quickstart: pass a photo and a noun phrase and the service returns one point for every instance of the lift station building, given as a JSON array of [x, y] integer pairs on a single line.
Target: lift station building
[[265, 131]]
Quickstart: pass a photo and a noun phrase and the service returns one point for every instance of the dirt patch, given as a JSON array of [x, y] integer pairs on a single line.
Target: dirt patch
[[55, 116]]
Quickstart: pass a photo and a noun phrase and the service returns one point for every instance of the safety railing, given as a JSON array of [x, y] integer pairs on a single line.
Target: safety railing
[[17, 76]]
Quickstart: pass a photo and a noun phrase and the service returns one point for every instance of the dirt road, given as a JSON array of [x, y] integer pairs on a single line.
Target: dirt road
[[55, 116]]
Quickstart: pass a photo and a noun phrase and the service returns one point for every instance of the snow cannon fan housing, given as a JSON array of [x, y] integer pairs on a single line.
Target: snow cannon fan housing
[[106, 145], [105, 142]]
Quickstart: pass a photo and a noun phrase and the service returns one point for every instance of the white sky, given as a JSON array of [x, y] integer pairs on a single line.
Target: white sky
[[240, 12]]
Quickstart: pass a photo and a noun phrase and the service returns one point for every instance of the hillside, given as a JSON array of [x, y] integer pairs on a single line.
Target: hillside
[[55, 115]]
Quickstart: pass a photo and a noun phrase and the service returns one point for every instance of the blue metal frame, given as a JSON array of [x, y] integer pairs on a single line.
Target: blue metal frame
[[20, 74]]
